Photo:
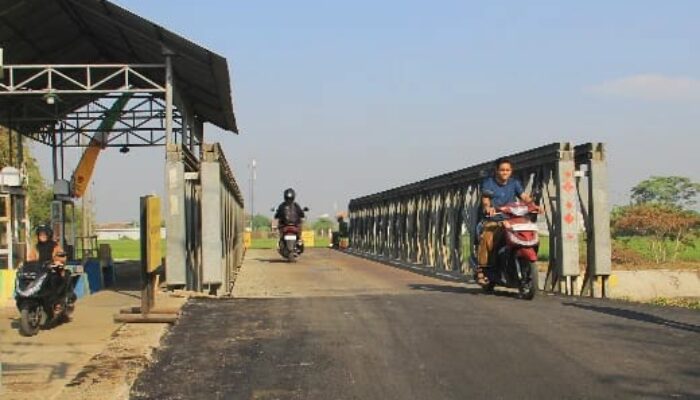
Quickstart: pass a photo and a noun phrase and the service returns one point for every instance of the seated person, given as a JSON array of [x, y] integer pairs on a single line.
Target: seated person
[[496, 191], [46, 250], [289, 212]]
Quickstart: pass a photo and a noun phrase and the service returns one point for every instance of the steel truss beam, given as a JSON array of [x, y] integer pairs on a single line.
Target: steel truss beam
[[63, 105], [142, 123], [80, 79]]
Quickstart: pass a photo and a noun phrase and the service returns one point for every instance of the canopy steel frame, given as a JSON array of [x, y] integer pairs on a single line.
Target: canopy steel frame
[[80, 79], [142, 123], [63, 105]]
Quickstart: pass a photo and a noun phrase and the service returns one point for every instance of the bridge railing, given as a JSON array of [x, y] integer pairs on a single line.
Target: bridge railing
[[205, 220], [430, 223], [222, 220]]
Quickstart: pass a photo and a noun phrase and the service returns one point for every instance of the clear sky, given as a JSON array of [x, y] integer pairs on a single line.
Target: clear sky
[[341, 99]]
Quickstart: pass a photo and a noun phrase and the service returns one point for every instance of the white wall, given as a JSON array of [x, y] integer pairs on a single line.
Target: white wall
[[116, 234]]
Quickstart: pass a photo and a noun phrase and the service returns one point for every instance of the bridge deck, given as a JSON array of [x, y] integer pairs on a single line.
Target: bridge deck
[[334, 326]]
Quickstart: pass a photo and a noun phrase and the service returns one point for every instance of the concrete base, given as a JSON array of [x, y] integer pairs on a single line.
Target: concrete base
[[648, 284]]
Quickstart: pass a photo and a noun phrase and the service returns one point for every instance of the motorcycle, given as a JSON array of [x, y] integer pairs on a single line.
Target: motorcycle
[[290, 245], [44, 296], [515, 261]]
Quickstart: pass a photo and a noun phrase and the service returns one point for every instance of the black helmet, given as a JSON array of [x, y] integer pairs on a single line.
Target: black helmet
[[289, 195], [46, 229]]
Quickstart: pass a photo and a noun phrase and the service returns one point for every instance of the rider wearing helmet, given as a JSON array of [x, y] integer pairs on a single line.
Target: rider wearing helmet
[[46, 250], [289, 212]]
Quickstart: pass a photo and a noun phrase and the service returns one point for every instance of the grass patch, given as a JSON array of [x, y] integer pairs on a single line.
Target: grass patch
[[684, 302], [271, 243], [128, 249], [642, 245]]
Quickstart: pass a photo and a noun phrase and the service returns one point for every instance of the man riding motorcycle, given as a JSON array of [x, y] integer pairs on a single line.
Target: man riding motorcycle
[[496, 191], [289, 212]]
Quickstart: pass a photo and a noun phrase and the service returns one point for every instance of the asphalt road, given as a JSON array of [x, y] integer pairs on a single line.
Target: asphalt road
[[337, 327]]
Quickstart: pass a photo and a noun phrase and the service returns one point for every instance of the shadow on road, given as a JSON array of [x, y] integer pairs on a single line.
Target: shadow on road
[[272, 260], [444, 288], [477, 291], [55, 371], [637, 316]]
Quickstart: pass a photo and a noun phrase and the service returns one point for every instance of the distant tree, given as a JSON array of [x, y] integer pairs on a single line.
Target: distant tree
[[38, 192], [669, 228], [323, 224], [261, 223], [677, 191]]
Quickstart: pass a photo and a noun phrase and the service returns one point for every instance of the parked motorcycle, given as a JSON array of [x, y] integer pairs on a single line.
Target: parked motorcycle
[[44, 296], [515, 261]]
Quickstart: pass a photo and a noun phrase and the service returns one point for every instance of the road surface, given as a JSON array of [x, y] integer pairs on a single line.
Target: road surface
[[333, 326]]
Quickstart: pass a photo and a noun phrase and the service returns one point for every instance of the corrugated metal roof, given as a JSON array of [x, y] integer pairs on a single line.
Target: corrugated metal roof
[[97, 31]]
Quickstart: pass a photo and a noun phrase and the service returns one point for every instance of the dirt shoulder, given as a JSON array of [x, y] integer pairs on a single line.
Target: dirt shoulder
[[76, 357], [111, 373]]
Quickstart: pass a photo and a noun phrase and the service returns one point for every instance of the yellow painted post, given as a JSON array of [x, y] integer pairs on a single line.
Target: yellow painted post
[[7, 286], [152, 256], [309, 238], [150, 249], [247, 239]]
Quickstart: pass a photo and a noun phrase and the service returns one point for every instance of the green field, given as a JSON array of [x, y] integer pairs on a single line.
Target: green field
[[642, 245], [272, 243], [127, 249]]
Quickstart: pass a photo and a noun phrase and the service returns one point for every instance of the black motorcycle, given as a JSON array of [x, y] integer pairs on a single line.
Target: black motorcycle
[[290, 245], [44, 296]]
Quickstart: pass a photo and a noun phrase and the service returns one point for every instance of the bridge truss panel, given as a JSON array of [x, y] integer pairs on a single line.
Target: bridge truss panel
[[431, 223]]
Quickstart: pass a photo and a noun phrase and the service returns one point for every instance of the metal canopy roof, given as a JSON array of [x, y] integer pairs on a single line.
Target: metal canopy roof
[[97, 31]]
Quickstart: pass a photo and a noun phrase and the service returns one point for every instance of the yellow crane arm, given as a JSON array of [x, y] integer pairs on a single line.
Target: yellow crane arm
[[86, 166]]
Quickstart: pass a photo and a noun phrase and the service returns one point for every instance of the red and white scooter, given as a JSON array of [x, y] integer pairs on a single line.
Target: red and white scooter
[[515, 259]]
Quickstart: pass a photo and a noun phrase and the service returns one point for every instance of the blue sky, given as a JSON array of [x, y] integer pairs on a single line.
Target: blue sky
[[344, 99]]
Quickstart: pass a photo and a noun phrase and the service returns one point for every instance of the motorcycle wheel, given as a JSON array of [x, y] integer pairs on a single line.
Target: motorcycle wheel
[[528, 287], [70, 304], [30, 320], [291, 251]]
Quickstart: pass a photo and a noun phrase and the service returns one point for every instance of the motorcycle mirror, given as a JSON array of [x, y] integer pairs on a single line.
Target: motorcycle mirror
[[272, 209], [306, 209]]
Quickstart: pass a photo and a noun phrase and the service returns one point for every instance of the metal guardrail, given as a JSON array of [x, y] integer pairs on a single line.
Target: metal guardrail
[[222, 220], [205, 220], [431, 222]]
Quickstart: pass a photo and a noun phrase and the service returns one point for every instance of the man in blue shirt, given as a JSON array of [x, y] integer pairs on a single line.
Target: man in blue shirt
[[496, 191]]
